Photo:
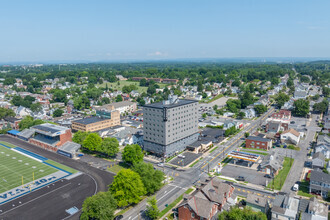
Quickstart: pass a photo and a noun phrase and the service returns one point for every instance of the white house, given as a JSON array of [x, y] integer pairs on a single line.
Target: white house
[[290, 135], [249, 113]]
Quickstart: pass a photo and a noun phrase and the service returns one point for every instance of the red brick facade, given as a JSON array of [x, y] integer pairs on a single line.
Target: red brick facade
[[186, 213], [257, 144], [282, 115], [67, 136]]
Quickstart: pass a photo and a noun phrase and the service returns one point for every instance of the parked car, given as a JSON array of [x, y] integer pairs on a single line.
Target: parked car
[[268, 176], [241, 178], [292, 122], [160, 164], [181, 156], [119, 217], [295, 187]]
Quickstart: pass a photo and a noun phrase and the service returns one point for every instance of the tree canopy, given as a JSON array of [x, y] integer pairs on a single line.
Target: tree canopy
[[151, 178], [127, 187], [260, 109], [58, 113], [239, 214], [281, 98], [109, 146], [132, 154], [79, 137], [4, 112], [301, 107], [99, 206], [152, 209], [28, 122], [92, 142]]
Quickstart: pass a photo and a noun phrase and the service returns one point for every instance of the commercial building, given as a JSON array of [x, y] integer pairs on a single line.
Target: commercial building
[[170, 126], [258, 142], [122, 107], [96, 123], [50, 136]]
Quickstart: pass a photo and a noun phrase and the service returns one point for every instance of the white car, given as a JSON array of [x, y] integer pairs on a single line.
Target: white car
[[160, 164], [295, 187], [181, 156]]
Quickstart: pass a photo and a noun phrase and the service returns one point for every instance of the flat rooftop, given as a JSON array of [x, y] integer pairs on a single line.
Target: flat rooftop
[[90, 120], [50, 128], [178, 103]]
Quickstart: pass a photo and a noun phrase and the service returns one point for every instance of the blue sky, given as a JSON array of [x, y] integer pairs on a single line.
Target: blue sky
[[162, 29]]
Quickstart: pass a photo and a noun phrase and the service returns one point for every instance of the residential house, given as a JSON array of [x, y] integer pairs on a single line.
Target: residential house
[[318, 160], [22, 111], [249, 113], [324, 149], [290, 135], [312, 209], [319, 183], [285, 207], [257, 203], [272, 163], [258, 142], [211, 198], [283, 116], [13, 122], [300, 95], [276, 126]]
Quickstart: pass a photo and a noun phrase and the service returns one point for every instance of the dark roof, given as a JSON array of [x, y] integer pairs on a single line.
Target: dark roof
[[90, 120], [320, 177], [11, 119], [257, 138], [179, 102]]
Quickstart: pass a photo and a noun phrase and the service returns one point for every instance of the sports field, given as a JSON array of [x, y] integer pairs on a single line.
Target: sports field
[[14, 165]]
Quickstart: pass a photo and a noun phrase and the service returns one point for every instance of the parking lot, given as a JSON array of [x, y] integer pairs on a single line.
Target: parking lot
[[188, 158], [250, 175]]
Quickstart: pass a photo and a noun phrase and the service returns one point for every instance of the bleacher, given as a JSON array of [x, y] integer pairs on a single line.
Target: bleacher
[[31, 154], [48, 141]]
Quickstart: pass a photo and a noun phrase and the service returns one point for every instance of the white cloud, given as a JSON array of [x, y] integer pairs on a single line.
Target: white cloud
[[157, 53]]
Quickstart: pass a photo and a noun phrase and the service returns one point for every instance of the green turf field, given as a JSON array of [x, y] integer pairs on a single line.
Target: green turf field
[[14, 165]]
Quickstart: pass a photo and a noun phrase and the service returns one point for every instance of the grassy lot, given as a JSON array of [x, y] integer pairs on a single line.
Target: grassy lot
[[213, 149], [174, 203], [255, 152], [61, 166], [279, 179], [118, 167], [215, 98], [7, 144], [304, 189], [115, 85], [15, 167], [193, 164]]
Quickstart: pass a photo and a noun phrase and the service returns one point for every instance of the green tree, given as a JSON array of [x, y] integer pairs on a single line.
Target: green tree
[[152, 209], [275, 81], [28, 122], [79, 137], [246, 134], [58, 113], [151, 90], [236, 213], [321, 107], [132, 154], [246, 99], [281, 98], [215, 107], [105, 100], [59, 96], [119, 98], [127, 187], [99, 206], [326, 91], [152, 179], [36, 107], [92, 142], [109, 146], [233, 105], [143, 82], [301, 107], [4, 112], [260, 109], [289, 83], [200, 86], [241, 114], [204, 115]]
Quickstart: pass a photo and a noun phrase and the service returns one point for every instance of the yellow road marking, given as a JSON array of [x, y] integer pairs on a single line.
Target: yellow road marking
[[234, 141], [239, 189], [243, 190], [248, 191]]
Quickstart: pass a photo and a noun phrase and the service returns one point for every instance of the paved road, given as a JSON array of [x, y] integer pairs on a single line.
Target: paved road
[[300, 157], [101, 178], [190, 177]]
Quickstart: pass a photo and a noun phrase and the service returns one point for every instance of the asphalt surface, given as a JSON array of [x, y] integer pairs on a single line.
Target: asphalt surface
[[184, 179], [96, 179], [300, 157], [50, 202]]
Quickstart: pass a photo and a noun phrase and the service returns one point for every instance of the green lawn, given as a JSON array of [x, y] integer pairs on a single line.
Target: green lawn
[[118, 167], [226, 161], [61, 166], [255, 152], [304, 189], [213, 149], [7, 144], [14, 166], [279, 179], [115, 85]]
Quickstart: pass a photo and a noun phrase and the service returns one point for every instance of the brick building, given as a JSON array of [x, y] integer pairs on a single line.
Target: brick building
[[282, 115], [258, 142], [94, 123], [211, 198], [50, 137]]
